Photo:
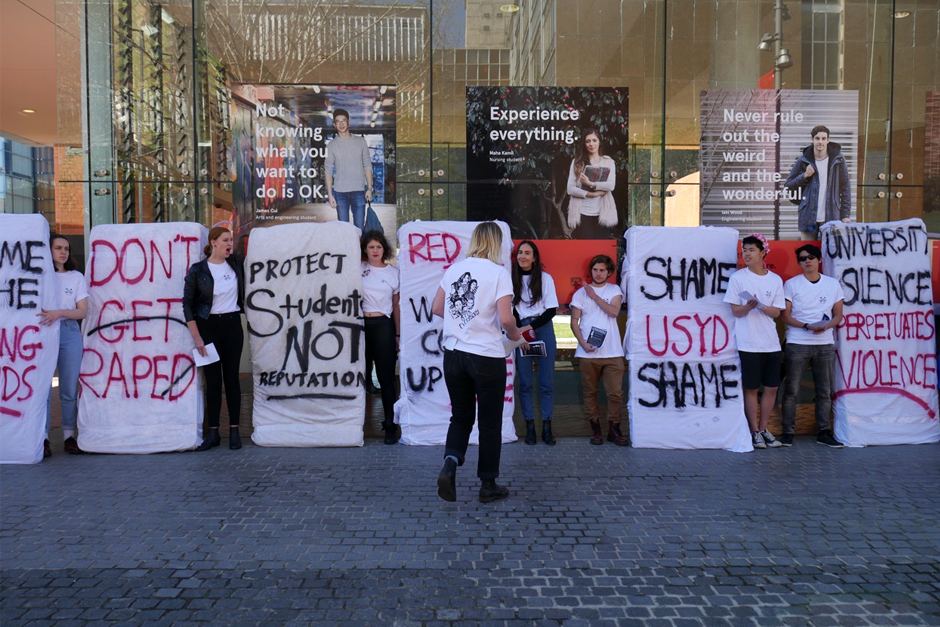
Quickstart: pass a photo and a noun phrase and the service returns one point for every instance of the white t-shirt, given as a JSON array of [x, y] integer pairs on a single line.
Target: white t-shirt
[[379, 285], [71, 288], [811, 301], [528, 309], [756, 332], [225, 288], [471, 319], [822, 171], [593, 317]]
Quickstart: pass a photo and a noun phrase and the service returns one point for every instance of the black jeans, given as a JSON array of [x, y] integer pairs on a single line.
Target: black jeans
[[225, 331], [476, 385], [380, 349]]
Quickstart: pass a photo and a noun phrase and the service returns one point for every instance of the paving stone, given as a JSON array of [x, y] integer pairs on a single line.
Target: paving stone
[[589, 536]]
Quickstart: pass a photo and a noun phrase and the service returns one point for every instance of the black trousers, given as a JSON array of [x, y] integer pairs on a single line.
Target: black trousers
[[380, 350], [476, 385], [225, 331]]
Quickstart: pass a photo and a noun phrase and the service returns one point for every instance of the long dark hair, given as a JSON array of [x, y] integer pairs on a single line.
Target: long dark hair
[[69, 264], [535, 279], [581, 158], [375, 236]]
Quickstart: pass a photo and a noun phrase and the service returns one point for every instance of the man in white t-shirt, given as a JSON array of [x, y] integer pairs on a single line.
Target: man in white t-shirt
[[756, 297], [594, 310], [813, 310]]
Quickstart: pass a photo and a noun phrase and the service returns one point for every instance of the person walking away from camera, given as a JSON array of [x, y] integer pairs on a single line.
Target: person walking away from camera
[[213, 294], [756, 298], [348, 172], [382, 322], [821, 172], [813, 310], [594, 310], [475, 300], [534, 305], [72, 295]]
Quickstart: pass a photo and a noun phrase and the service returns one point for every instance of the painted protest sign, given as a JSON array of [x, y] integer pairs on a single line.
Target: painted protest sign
[[140, 390], [28, 351], [427, 250], [885, 388], [303, 301], [685, 375]]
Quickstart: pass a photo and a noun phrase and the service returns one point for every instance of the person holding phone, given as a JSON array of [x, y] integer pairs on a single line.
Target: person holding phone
[[534, 305], [213, 294]]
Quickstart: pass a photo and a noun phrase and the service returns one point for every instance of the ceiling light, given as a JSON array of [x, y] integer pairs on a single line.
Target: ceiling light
[[29, 111], [509, 7], [372, 124], [149, 30], [166, 17], [900, 15], [316, 89], [383, 89]]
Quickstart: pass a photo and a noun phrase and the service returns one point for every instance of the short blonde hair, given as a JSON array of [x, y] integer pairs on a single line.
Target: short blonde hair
[[487, 242]]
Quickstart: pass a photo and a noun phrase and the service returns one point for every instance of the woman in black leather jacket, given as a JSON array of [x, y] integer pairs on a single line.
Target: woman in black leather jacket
[[212, 304]]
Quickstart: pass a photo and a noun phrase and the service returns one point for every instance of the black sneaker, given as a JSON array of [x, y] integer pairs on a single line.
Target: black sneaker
[[491, 491], [530, 432], [70, 446], [786, 439], [826, 438], [447, 480]]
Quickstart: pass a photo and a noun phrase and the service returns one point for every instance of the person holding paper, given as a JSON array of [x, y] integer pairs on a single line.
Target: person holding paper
[[382, 322], [475, 300], [756, 298], [813, 310], [594, 310], [534, 305], [592, 177], [213, 294], [73, 300]]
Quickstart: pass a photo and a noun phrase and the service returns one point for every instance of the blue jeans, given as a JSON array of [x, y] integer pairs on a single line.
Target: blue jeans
[[69, 366], [546, 367], [351, 200]]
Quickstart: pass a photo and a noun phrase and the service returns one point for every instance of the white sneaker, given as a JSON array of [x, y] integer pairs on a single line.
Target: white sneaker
[[770, 440], [758, 440]]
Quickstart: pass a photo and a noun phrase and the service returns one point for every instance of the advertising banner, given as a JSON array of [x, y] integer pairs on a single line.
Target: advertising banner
[[886, 363], [28, 350], [427, 250], [140, 391], [752, 144], [551, 162], [281, 139], [303, 300], [685, 373]]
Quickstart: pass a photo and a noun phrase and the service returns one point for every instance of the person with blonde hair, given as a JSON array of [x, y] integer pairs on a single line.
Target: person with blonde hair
[[475, 300]]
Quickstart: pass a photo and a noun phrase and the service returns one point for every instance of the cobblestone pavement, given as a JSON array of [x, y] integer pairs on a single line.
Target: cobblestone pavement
[[590, 535]]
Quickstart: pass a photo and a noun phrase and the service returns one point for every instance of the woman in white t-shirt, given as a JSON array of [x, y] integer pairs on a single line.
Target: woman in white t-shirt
[[73, 307], [534, 305], [475, 300], [592, 177], [380, 307], [213, 293]]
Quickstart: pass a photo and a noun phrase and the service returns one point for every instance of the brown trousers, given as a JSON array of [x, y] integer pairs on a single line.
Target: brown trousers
[[610, 370]]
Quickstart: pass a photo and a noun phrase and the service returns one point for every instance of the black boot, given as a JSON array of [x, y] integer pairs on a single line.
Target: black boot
[[210, 439], [530, 432], [234, 439], [491, 491], [447, 480], [547, 436], [392, 432]]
